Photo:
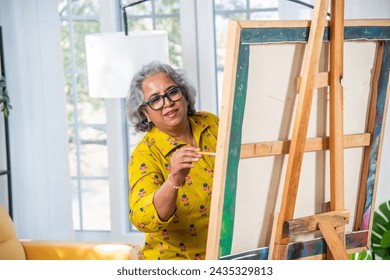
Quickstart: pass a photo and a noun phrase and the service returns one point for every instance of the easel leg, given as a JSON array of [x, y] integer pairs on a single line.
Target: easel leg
[[336, 111], [333, 241], [301, 121]]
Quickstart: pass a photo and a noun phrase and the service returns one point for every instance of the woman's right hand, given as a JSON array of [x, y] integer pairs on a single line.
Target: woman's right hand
[[182, 161]]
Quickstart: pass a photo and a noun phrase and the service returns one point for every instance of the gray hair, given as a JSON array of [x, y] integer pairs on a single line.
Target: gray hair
[[135, 97]]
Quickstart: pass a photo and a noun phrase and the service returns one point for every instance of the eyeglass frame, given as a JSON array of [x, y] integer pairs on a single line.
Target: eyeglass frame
[[165, 95]]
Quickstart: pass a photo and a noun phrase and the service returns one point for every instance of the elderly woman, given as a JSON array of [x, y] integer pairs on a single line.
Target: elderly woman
[[170, 179]]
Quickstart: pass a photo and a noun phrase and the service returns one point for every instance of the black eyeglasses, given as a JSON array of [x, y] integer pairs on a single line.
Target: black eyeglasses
[[158, 101]]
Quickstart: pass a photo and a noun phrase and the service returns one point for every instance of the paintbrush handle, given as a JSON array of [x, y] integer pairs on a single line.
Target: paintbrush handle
[[207, 153]]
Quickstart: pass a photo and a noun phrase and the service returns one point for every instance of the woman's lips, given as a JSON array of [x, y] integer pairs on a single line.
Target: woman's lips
[[170, 113]]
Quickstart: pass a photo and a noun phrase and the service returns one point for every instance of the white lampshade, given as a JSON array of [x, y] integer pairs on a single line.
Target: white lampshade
[[113, 59]]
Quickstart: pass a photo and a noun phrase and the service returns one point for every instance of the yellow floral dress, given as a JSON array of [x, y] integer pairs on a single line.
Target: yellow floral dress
[[184, 235]]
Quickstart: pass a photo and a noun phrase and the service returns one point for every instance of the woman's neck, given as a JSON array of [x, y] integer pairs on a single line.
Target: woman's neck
[[185, 134]]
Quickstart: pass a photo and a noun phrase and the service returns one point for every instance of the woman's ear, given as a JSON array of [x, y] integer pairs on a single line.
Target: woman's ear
[[143, 113], [147, 116]]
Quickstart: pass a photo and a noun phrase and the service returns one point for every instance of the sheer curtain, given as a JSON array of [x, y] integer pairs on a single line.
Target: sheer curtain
[[39, 146]]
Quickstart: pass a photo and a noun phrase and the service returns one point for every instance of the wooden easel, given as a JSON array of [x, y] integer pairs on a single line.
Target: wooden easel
[[245, 38], [331, 224]]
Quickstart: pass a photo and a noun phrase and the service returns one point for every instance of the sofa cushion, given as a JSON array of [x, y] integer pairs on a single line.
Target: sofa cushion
[[10, 246], [60, 250]]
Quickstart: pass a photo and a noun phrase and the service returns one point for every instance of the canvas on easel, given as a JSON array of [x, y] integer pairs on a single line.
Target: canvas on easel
[[263, 64]]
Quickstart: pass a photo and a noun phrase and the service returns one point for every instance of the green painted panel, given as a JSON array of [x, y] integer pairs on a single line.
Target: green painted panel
[[229, 206]]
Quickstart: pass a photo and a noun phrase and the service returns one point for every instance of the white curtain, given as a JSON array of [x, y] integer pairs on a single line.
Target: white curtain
[[38, 130]]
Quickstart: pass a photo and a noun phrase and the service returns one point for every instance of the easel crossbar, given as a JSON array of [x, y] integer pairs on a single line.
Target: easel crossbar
[[311, 223], [274, 148]]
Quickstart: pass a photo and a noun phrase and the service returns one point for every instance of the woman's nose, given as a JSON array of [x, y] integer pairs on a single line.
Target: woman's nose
[[168, 102]]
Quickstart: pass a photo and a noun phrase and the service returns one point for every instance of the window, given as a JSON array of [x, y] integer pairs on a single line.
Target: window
[[158, 15], [86, 120]]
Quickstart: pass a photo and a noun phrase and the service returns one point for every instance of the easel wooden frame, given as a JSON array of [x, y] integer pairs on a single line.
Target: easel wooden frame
[[229, 149], [329, 225]]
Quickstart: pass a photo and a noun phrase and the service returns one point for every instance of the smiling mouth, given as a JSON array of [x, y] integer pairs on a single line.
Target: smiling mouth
[[171, 112]]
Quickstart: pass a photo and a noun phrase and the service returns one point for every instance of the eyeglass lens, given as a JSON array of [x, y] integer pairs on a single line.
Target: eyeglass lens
[[158, 101]]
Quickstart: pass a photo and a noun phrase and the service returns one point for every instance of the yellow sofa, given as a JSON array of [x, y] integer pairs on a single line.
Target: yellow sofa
[[11, 248]]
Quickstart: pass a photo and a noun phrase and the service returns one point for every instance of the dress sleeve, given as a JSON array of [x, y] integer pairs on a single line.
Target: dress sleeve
[[145, 178]]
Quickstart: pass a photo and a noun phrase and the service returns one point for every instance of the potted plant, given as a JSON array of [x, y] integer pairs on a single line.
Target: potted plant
[[380, 236], [4, 98]]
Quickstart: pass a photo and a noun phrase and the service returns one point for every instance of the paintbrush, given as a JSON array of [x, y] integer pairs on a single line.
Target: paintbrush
[[207, 153]]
